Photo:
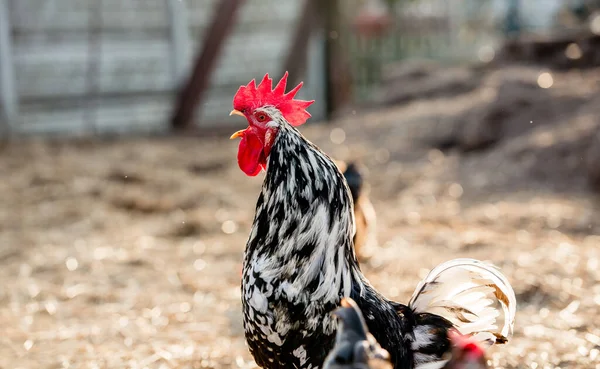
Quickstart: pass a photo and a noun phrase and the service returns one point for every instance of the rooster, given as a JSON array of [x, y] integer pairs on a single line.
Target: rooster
[[299, 260], [355, 347]]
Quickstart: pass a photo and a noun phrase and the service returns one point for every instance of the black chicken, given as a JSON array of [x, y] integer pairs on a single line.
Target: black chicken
[[299, 260], [355, 347]]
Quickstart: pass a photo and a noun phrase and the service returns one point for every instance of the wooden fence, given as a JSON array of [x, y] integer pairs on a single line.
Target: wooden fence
[[86, 66]]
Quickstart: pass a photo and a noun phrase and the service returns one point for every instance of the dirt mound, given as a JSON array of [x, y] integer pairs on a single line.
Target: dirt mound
[[579, 49], [558, 110], [420, 79]]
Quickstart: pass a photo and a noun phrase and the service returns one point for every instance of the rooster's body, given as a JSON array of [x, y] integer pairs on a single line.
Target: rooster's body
[[299, 260]]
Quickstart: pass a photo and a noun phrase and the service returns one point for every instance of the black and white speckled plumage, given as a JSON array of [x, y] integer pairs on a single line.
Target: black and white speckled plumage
[[292, 278], [299, 263], [355, 347]]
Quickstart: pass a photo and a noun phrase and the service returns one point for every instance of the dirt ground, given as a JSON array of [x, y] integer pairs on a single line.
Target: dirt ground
[[126, 253]]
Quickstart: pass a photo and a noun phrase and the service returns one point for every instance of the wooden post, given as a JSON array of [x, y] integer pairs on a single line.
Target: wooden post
[[179, 46], [316, 78], [339, 86], [94, 67], [325, 17], [296, 59], [512, 20], [192, 93], [8, 93]]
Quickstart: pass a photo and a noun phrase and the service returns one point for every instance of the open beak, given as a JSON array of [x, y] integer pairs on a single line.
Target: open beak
[[236, 112], [239, 133]]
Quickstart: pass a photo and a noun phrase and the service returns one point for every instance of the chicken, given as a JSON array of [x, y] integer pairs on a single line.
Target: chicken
[[299, 260], [355, 347], [466, 353], [365, 238]]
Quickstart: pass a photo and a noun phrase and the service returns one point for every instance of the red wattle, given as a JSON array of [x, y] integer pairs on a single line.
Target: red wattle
[[250, 154]]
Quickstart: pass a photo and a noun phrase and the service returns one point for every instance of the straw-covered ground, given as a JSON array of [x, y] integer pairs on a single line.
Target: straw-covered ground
[[126, 253]]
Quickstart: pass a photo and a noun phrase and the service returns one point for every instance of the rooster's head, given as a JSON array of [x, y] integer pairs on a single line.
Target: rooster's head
[[259, 104]]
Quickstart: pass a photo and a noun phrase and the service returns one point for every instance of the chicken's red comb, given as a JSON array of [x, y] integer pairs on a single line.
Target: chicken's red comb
[[251, 97]]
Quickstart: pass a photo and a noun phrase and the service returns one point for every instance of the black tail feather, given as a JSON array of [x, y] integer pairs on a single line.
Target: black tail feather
[[431, 342]]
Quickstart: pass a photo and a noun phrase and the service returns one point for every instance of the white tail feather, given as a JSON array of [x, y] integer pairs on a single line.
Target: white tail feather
[[472, 295]]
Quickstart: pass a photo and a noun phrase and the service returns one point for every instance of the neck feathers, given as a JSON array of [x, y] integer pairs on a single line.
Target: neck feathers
[[304, 222]]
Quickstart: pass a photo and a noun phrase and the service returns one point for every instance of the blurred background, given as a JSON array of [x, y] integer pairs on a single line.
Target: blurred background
[[123, 214]]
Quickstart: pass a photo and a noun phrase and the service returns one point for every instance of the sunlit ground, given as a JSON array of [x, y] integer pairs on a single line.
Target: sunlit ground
[[127, 253]]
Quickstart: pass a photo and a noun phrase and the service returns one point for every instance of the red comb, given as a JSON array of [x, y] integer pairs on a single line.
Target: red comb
[[251, 97]]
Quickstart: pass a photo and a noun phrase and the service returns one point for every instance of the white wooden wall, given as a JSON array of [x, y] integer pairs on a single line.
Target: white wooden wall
[[85, 66]]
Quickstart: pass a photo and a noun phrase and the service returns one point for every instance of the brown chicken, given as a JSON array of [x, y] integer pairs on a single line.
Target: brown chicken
[[365, 239]]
